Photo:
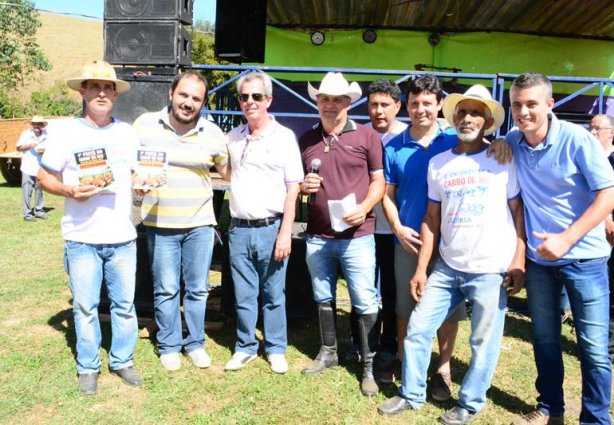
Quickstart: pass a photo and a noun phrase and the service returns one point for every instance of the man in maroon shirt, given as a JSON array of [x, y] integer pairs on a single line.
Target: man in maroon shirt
[[349, 160]]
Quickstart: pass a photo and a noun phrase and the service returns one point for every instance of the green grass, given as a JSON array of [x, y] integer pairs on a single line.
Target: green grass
[[38, 381]]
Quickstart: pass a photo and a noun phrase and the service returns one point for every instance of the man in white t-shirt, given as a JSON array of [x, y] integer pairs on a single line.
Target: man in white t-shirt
[[266, 172], [32, 144], [476, 213], [89, 161]]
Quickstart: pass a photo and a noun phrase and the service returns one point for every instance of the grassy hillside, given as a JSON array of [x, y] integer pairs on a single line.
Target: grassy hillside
[[68, 43]]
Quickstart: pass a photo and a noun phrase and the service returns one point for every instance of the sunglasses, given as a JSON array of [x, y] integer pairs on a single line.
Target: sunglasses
[[258, 97]]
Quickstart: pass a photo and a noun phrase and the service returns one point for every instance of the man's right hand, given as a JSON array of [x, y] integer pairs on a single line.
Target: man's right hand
[[417, 285], [409, 239], [311, 183]]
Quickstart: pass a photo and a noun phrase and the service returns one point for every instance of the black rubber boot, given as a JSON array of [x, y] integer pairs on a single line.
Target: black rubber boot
[[369, 335], [327, 357]]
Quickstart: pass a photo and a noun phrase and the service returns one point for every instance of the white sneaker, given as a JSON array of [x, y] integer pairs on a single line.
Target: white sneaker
[[239, 360], [171, 361], [278, 363], [200, 358]]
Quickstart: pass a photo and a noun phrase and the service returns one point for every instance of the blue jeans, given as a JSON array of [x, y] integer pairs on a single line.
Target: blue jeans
[[86, 265], [586, 282], [256, 273], [357, 260], [174, 253], [446, 288]]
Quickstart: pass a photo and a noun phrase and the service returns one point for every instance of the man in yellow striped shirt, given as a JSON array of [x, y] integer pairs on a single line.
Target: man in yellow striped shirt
[[179, 218]]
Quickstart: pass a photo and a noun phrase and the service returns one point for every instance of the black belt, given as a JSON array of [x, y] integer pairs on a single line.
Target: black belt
[[258, 222]]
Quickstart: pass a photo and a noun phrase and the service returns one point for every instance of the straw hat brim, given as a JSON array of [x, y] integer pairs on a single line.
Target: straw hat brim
[[121, 85], [496, 110]]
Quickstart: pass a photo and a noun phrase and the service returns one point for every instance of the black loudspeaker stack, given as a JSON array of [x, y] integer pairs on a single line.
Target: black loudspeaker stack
[[147, 32], [240, 30]]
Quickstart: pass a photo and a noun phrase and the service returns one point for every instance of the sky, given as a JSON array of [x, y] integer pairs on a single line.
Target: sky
[[203, 9]]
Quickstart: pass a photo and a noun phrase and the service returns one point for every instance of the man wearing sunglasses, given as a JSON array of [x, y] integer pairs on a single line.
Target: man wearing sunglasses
[[266, 171], [179, 218]]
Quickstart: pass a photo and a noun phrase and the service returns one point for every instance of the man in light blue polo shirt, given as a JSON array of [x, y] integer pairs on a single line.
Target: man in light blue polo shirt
[[568, 189]]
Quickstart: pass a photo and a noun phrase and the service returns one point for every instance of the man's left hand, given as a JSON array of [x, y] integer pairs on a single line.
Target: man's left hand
[[514, 280], [501, 150], [283, 246], [356, 217]]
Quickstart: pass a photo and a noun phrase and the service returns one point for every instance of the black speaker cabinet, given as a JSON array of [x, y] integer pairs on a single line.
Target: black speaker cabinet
[[143, 10], [147, 94], [240, 30], [147, 43]]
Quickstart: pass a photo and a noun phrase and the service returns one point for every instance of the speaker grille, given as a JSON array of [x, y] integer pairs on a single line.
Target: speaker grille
[[149, 9], [147, 43]]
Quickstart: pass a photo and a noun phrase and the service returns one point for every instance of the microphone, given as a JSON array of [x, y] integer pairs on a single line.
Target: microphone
[[315, 169]]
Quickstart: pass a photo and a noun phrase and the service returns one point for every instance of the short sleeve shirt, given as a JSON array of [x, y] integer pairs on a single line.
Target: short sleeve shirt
[[261, 167], [346, 168], [558, 179], [106, 217], [186, 200]]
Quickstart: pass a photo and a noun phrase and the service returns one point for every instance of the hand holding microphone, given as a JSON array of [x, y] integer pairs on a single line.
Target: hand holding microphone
[[313, 179]]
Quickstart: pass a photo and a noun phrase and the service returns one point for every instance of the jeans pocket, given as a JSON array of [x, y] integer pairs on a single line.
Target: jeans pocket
[[72, 247]]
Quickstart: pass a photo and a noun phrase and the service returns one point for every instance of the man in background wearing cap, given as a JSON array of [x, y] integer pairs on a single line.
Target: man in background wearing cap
[[31, 143], [568, 191], [349, 156], [82, 157], [474, 205], [179, 218]]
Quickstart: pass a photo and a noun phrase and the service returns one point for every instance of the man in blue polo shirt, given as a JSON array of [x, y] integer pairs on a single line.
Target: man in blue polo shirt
[[568, 190]]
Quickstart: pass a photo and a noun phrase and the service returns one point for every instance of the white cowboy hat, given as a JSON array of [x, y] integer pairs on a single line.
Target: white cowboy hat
[[334, 84], [98, 70], [480, 93]]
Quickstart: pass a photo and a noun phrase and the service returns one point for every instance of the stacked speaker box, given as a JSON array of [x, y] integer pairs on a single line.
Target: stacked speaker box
[[147, 32], [240, 30]]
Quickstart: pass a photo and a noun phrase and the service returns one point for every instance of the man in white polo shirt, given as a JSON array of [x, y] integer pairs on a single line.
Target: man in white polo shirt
[[266, 172]]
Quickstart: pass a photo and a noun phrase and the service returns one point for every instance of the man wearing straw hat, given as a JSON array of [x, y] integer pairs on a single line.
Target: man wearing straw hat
[[341, 221], [32, 144], [89, 161], [475, 206]]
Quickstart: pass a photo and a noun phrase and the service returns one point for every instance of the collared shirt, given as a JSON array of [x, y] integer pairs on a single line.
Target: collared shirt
[[187, 199], [557, 179], [347, 161], [405, 166], [262, 166], [31, 159]]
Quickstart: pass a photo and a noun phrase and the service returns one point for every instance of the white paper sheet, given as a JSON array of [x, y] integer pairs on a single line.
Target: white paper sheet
[[338, 208]]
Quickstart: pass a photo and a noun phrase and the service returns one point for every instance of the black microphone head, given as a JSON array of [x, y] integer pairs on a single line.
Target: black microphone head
[[315, 164]]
